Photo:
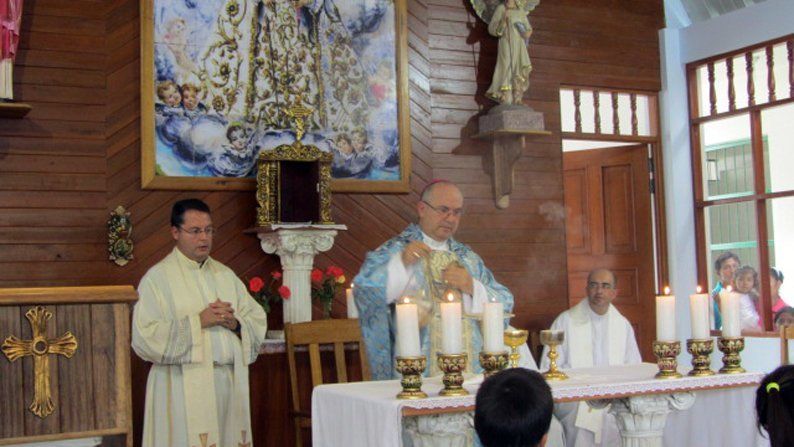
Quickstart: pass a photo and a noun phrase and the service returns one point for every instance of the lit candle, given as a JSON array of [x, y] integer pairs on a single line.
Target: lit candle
[[451, 327], [493, 327], [407, 329], [352, 311], [699, 314], [729, 307], [665, 316]]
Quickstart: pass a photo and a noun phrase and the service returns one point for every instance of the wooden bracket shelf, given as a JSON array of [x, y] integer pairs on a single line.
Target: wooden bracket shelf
[[14, 110]]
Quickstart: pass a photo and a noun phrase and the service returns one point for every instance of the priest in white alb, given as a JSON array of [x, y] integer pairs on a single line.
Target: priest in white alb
[[596, 334], [197, 324]]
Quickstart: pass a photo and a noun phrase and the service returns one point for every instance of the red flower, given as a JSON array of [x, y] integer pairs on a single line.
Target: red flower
[[276, 274], [256, 284], [284, 292], [334, 271], [317, 275]]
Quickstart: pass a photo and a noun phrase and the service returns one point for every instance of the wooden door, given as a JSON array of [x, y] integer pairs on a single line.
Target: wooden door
[[608, 224]]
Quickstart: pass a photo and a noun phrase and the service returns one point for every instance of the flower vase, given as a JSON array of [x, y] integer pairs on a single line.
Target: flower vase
[[327, 309]]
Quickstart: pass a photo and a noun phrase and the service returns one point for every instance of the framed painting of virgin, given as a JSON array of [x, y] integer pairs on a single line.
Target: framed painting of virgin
[[221, 79]]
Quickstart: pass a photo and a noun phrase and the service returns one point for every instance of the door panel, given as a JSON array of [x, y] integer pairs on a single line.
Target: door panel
[[608, 212]]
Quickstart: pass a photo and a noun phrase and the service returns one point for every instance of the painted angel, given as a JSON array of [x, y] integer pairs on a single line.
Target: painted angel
[[508, 20]]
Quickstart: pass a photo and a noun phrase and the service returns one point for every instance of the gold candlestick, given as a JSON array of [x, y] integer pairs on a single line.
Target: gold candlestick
[[453, 366], [666, 354], [731, 347], [552, 339], [701, 362], [411, 369], [493, 362], [515, 338]]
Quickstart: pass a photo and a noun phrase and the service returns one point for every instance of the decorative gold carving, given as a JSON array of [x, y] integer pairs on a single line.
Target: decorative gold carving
[[453, 366], [666, 354], [411, 369], [40, 347], [298, 113], [267, 180], [730, 348], [493, 362], [701, 361], [120, 236]]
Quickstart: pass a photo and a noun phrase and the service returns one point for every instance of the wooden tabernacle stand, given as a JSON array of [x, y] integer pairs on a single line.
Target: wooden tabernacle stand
[[65, 364]]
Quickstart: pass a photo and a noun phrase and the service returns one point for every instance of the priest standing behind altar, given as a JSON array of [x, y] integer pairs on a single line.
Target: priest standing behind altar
[[197, 324], [385, 274], [596, 334]]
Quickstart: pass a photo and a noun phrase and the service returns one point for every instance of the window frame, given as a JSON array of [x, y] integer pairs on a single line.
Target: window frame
[[759, 197]]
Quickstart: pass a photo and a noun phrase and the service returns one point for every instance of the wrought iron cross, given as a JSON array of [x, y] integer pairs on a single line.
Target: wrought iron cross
[[40, 348]]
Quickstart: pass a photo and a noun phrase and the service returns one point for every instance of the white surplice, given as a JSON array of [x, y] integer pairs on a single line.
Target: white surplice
[[591, 340], [197, 391]]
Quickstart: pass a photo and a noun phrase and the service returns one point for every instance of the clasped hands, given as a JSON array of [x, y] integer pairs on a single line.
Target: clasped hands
[[454, 276], [219, 313]]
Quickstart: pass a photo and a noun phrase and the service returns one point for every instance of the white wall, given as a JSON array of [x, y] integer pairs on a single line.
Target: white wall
[[754, 24]]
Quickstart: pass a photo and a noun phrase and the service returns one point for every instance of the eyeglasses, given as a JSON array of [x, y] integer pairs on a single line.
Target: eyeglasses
[[209, 231], [445, 210], [603, 285]]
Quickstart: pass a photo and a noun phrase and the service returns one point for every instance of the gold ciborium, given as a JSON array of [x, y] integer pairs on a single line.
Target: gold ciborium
[[411, 369], [515, 338], [731, 361], [552, 339], [453, 366]]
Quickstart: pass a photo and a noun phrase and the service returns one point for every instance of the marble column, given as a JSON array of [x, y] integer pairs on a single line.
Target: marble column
[[641, 419], [297, 248]]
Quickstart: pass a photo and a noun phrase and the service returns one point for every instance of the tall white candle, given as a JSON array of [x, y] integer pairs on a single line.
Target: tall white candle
[[665, 316], [352, 311], [407, 329], [451, 327], [699, 315], [493, 327], [729, 307]]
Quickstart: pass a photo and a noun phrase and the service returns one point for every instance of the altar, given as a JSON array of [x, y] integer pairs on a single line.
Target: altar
[[697, 409]]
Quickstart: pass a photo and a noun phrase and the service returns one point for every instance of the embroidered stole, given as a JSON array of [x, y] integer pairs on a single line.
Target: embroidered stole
[[581, 354]]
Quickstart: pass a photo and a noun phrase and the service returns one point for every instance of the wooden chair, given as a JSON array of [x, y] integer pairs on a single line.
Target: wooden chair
[[786, 333], [313, 334]]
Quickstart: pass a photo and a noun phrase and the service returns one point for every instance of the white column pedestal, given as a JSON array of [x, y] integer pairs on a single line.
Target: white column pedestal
[[297, 245], [641, 419]]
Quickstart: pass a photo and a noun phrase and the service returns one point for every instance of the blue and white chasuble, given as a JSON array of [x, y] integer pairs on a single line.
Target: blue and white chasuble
[[376, 314]]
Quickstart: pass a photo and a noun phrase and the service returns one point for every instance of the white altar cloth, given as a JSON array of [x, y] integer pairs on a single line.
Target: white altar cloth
[[368, 414]]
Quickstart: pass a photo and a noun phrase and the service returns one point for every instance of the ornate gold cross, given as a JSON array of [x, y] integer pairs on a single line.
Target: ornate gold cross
[[298, 112], [40, 348]]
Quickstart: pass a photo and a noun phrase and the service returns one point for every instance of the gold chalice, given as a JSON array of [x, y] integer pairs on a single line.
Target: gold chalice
[[515, 338], [552, 339]]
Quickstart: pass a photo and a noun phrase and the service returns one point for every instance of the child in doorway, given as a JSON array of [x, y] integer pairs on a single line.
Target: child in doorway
[[746, 282]]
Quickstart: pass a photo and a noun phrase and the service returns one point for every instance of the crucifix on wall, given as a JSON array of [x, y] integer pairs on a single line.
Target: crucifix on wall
[[40, 348]]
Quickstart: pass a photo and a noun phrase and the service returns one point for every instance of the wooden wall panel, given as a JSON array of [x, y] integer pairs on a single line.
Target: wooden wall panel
[[77, 155]]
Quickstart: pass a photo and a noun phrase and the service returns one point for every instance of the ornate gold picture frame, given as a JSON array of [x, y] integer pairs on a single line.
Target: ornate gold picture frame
[[218, 77]]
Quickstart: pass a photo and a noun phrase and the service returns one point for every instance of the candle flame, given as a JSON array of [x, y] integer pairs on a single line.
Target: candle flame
[[666, 290], [699, 289], [729, 289], [352, 285], [450, 297], [406, 300]]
